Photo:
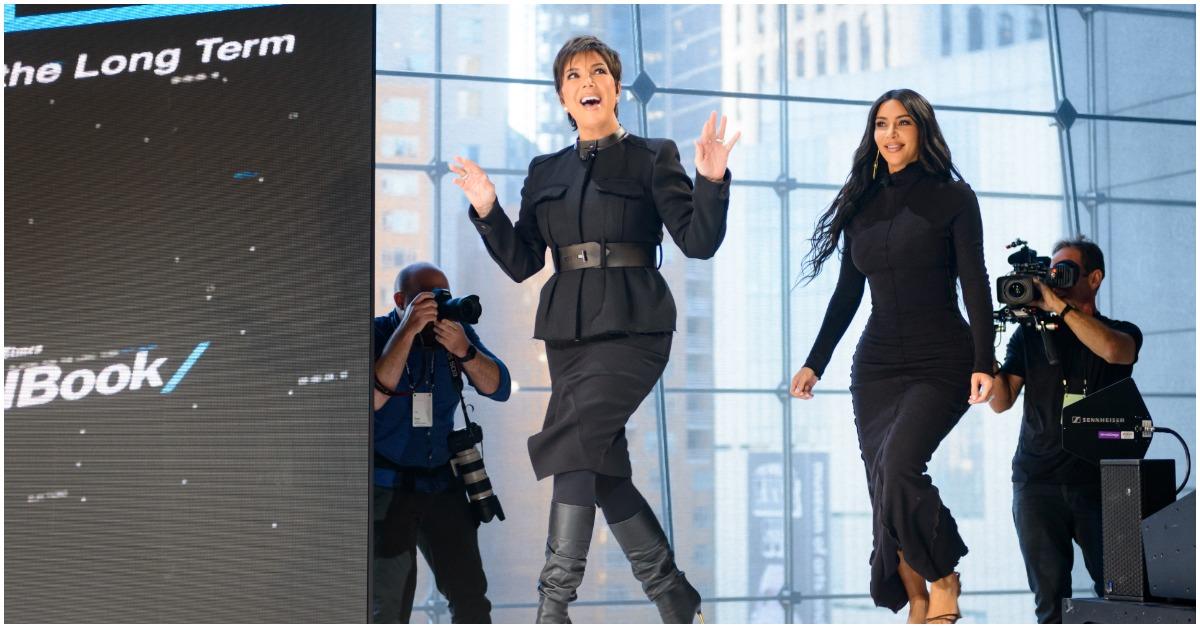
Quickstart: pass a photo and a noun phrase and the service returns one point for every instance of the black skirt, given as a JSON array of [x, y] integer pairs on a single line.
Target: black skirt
[[595, 386], [906, 401]]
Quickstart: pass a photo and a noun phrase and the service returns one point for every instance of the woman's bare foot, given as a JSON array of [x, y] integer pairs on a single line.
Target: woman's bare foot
[[943, 600]]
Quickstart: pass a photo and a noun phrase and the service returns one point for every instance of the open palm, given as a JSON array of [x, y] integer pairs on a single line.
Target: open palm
[[712, 152], [474, 182]]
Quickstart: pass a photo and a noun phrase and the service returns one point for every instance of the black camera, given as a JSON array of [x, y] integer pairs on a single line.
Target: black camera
[[467, 463], [1019, 289], [1016, 291], [463, 309]]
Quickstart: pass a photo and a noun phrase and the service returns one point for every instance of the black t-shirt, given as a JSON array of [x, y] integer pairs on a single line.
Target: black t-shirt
[[1040, 457]]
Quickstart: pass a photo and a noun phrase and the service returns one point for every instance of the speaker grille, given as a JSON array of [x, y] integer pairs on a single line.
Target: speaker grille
[[1123, 572]]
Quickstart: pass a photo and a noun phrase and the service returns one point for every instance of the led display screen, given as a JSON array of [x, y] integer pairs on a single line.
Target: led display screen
[[187, 281]]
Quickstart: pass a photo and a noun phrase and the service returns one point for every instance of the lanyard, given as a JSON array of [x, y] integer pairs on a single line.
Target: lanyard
[[427, 357], [1067, 368]]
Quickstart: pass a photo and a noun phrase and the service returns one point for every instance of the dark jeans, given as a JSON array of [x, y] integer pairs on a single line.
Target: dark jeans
[[443, 527], [1048, 518]]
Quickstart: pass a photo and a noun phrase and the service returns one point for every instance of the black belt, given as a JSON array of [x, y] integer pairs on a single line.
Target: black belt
[[609, 255], [424, 472], [406, 477]]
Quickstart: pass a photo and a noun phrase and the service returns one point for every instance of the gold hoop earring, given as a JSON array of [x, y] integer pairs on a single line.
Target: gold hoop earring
[[875, 166]]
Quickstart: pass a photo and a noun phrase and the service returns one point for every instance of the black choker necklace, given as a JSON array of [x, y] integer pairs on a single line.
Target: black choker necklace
[[588, 149]]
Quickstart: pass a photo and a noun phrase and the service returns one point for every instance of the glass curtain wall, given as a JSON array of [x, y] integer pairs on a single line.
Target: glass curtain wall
[[1064, 119]]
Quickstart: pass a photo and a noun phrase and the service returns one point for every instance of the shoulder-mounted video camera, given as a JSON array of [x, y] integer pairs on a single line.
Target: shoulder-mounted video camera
[[1018, 288], [1016, 292]]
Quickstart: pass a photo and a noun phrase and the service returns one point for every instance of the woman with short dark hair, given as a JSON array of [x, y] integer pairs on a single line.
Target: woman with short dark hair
[[911, 228], [606, 314]]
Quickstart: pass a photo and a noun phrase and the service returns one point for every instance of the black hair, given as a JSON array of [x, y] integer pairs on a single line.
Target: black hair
[[933, 155], [581, 44], [1093, 257]]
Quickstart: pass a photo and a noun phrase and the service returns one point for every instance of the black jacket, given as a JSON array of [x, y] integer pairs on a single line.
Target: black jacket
[[626, 193]]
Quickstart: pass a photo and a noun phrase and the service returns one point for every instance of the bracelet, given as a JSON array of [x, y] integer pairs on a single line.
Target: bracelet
[[384, 389], [471, 353], [1063, 313]]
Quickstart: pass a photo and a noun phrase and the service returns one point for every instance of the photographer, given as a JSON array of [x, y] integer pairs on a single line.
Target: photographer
[[1056, 496], [418, 500]]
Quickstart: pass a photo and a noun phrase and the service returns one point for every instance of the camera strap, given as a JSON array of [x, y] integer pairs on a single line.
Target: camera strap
[[456, 379]]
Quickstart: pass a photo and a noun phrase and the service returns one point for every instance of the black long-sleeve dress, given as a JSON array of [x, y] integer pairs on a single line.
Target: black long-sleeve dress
[[607, 330], [911, 372]]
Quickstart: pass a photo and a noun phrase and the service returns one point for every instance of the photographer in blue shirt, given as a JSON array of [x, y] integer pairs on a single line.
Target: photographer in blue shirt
[[419, 502]]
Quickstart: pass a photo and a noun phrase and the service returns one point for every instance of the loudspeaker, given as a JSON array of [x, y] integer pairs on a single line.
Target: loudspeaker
[[1169, 539], [1131, 491]]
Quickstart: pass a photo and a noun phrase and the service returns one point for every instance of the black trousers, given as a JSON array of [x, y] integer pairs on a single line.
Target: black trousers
[[443, 527], [1048, 518]]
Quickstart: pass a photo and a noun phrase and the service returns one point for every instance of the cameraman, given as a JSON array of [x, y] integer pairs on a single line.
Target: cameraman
[[418, 500], [1056, 496]]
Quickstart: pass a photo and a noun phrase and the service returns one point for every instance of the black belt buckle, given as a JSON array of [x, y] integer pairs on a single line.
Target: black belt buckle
[[583, 255]]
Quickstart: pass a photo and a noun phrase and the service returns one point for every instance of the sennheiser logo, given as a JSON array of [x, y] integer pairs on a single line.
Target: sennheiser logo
[[1096, 419], [41, 384]]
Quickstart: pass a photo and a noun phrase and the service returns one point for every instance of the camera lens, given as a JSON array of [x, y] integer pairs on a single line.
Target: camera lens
[[468, 466], [463, 309], [1015, 290]]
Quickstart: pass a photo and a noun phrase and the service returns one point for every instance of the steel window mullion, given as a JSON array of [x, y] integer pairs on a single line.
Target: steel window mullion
[[789, 563], [437, 602], [1131, 10], [708, 93], [839, 391], [660, 398], [437, 136], [1065, 153], [755, 598]]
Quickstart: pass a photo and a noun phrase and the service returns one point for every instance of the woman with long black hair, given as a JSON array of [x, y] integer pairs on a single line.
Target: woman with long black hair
[[910, 227], [606, 315]]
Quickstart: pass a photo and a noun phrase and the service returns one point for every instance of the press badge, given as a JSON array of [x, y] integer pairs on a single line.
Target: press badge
[[422, 406], [1070, 398]]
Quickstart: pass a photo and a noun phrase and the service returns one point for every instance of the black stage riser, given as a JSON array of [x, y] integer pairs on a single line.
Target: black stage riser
[[1169, 539], [1096, 611]]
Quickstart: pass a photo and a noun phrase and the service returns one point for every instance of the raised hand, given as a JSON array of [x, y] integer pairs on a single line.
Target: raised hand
[[418, 315], [1049, 301], [452, 337], [712, 152], [474, 182]]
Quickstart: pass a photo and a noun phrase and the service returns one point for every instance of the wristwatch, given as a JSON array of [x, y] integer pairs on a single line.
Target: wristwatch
[[1063, 313], [471, 353]]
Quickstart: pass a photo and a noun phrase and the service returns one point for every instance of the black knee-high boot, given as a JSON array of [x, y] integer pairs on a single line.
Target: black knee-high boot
[[567, 544], [645, 545]]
